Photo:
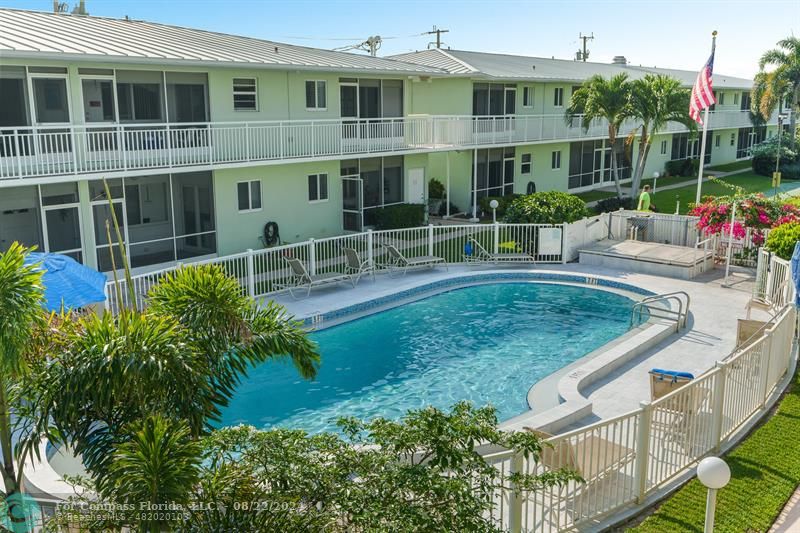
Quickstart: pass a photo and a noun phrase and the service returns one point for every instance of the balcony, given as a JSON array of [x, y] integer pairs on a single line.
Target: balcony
[[62, 152]]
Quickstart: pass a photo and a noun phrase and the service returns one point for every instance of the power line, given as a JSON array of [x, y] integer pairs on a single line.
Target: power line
[[438, 33], [583, 55]]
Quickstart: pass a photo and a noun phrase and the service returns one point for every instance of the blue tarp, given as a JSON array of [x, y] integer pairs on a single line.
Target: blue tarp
[[672, 373], [68, 283], [796, 272]]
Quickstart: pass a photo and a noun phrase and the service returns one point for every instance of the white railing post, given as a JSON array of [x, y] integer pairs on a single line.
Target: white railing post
[[430, 239], [718, 407], [496, 238], [251, 274], [516, 499], [312, 257], [19, 153], [642, 451], [370, 251], [167, 134], [74, 149], [563, 243], [766, 356], [247, 140]]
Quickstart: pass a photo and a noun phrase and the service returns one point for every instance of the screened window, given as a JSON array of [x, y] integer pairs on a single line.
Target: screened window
[[527, 97], [735, 98], [717, 140], [558, 97], [249, 195], [317, 187], [139, 101], [316, 94], [493, 99], [721, 98], [555, 160], [745, 105], [245, 94], [495, 172], [663, 147], [527, 162]]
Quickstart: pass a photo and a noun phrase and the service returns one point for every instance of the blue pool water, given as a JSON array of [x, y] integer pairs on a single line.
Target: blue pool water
[[486, 343]]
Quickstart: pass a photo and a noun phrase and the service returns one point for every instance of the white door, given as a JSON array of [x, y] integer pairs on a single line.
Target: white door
[[415, 186]]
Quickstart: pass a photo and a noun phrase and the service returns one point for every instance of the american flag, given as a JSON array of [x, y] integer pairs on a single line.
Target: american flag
[[703, 91]]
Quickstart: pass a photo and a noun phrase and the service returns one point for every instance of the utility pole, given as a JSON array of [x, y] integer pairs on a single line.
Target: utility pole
[[438, 33], [583, 56]]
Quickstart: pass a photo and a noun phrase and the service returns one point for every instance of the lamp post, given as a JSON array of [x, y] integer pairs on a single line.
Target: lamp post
[[777, 174], [714, 473], [493, 204], [655, 181]]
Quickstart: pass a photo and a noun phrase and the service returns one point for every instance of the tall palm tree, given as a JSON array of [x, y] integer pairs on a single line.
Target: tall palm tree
[[779, 83], [608, 99], [21, 313], [656, 100]]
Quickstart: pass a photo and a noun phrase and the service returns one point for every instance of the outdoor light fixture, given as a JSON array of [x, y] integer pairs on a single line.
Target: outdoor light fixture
[[493, 204], [714, 473]]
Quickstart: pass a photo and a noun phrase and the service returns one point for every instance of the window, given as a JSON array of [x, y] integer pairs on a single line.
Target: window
[[495, 172], [590, 163], [316, 95], [139, 101], [245, 94], [558, 97], [249, 193], [721, 98], [717, 141], [555, 160], [525, 168], [735, 98], [317, 187], [663, 147], [493, 99], [733, 139], [527, 97], [745, 102]]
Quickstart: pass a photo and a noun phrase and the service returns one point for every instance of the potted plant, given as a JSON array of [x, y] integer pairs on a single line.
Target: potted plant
[[436, 196]]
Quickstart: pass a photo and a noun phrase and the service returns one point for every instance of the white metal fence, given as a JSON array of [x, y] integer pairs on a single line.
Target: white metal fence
[[773, 279], [678, 230], [39, 151], [263, 272], [625, 458]]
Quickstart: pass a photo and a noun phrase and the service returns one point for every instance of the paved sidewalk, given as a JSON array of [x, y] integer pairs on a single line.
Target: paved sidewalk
[[789, 519]]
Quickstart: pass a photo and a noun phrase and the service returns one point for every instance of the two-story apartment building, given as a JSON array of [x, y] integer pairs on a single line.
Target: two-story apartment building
[[205, 137]]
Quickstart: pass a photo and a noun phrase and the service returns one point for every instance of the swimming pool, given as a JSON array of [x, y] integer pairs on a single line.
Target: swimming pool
[[486, 343]]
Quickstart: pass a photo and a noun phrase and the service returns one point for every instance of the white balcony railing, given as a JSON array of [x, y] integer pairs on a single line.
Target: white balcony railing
[[42, 151]]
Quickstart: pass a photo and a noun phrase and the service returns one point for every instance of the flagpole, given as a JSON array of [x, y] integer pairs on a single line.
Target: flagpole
[[705, 130]]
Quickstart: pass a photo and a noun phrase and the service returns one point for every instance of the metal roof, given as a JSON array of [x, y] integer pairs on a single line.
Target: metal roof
[[37, 34], [514, 67]]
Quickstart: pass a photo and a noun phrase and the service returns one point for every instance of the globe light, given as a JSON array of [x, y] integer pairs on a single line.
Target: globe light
[[713, 472], [656, 175], [494, 204]]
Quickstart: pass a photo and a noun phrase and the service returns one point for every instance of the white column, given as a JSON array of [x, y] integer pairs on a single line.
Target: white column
[[447, 207], [474, 186]]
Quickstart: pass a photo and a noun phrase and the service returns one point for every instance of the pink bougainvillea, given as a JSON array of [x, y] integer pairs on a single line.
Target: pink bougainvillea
[[755, 212]]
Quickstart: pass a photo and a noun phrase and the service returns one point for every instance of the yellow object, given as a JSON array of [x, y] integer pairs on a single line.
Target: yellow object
[[776, 179]]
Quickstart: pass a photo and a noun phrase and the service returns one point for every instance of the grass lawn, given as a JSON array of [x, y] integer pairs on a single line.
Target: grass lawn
[[591, 196], [765, 469], [666, 200], [729, 167]]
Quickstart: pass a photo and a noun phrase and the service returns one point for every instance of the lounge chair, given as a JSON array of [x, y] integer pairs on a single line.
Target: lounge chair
[[662, 382], [398, 261], [591, 456], [301, 279], [355, 267], [481, 255]]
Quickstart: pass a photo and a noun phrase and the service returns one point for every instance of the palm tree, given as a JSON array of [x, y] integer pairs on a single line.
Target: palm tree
[[656, 100], [782, 81], [608, 99], [21, 314], [182, 357]]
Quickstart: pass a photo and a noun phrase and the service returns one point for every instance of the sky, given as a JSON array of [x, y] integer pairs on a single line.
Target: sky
[[661, 33]]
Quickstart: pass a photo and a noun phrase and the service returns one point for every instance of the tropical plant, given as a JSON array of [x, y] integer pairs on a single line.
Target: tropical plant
[[783, 81], [21, 316], [765, 153], [607, 99], [781, 240], [547, 207], [436, 189], [421, 473], [656, 99], [181, 358]]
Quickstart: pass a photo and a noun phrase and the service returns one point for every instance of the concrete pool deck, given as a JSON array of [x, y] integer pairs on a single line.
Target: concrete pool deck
[[709, 337]]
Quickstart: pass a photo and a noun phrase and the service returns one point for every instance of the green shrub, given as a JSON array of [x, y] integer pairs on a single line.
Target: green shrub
[[503, 203], [435, 189], [548, 207], [781, 240], [613, 203], [399, 216], [682, 167], [765, 153], [443, 209]]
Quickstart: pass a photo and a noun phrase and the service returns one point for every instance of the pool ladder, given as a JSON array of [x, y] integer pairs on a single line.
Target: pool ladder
[[680, 316]]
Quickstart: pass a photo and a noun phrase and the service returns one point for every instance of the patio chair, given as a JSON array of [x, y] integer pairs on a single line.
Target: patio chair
[[355, 267], [678, 415], [398, 261], [301, 279], [591, 456], [481, 255]]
